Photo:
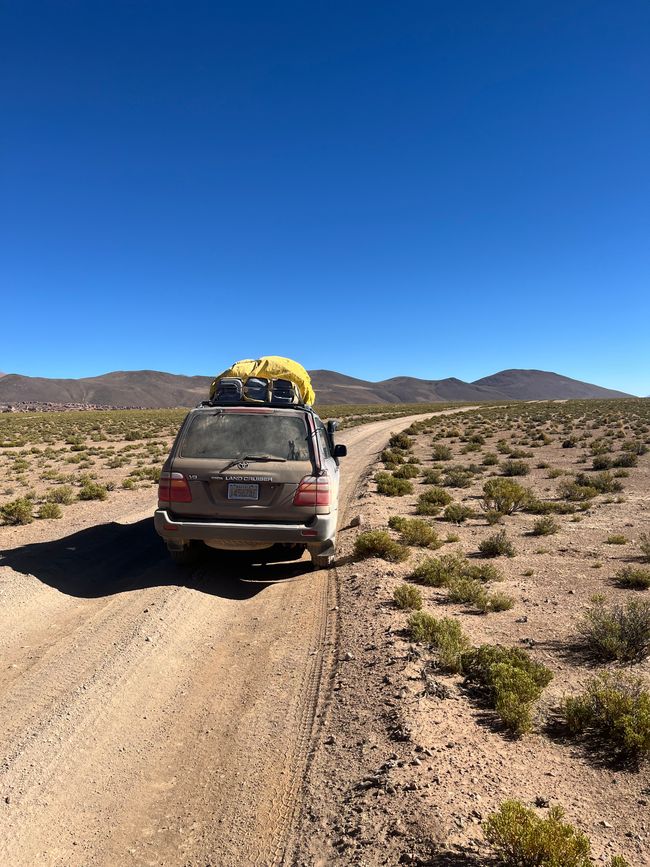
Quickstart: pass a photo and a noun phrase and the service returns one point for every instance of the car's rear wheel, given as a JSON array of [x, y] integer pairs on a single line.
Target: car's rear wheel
[[184, 556], [322, 561]]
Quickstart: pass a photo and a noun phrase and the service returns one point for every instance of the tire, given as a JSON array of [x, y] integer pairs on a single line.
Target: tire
[[183, 557], [322, 561]]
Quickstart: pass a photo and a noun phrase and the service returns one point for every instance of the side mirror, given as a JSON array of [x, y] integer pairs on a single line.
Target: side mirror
[[340, 451]]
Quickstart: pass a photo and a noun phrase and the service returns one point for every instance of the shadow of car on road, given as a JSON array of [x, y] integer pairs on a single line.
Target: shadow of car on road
[[114, 558]]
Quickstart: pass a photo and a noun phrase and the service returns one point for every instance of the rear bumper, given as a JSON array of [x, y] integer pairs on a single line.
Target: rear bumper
[[321, 529]]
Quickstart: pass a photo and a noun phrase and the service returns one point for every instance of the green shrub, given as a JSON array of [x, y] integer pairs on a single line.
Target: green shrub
[[92, 491], [633, 579], [504, 496], [497, 545], [615, 711], [400, 441], [431, 501], [457, 477], [378, 543], [441, 452], [545, 527], [512, 680], [576, 493], [492, 516], [604, 483], [406, 471], [431, 477], [601, 462], [391, 486], [407, 596], [485, 572], [63, 494], [490, 460], [644, 545], [456, 513], [515, 468], [554, 473], [627, 459], [50, 510], [391, 457], [439, 571], [616, 539], [444, 633], [415, 531], [129, 484], [621, 632], [499, 601], [17, 511], [520, 838], [467, 590]]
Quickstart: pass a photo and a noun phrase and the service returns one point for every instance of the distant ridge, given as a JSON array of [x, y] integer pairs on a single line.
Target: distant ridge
[[154, 388]]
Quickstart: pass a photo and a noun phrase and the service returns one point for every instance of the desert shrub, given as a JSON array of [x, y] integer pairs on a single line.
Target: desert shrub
[[462, 590], [497, 545], [604, 482], [493, 516], [439, 571], [400, 441], [520, 838], [644, 545], [50, 510], [616, 539], [569, 444], [485, 572], [431, 477], [392, 457], [576, 493], [546, 526], [441, 452], [499, 601], [17, 511], [554, 473], [621, 632], [444, 633], [456, 513], [457, 477], [378, 543], [431, 501], [633, 578], [515, 468], [614, 710], [602, 462], [548, 507], [390, 486], [504, 496], [406, 471], [635, 447], [490, 460], [63, 494], [92, 491], [415, 531], [129, 484], [512, 680], [626, 459], [407, 596]]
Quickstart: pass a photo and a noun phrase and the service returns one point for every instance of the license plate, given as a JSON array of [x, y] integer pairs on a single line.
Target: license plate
[[243, 492]]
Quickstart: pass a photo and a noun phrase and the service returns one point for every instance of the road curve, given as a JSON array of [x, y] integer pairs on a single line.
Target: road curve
[[151, 716]]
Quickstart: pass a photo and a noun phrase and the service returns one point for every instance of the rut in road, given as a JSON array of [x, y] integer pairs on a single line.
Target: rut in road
[[154, 716]]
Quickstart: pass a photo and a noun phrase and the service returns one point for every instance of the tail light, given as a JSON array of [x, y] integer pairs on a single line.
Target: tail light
[[173, 488], [313, 491]]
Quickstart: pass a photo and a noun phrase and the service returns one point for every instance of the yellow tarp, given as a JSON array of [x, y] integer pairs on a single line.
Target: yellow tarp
[[270, 367]]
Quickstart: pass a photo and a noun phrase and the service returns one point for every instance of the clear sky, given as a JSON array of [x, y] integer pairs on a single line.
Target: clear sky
[[380, 188]]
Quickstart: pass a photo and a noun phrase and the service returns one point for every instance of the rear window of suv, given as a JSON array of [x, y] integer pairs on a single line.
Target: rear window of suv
[[234, 435]]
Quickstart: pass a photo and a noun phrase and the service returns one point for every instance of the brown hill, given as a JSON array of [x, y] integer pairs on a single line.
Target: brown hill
[[152, 388]]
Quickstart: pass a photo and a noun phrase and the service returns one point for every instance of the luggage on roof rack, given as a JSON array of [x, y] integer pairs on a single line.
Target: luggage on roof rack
[[270, 379]]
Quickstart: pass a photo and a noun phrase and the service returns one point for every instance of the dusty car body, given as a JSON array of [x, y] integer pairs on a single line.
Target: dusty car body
[[251, 478]]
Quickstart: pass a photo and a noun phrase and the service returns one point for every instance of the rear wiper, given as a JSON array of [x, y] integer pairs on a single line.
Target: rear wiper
[[253, 458]]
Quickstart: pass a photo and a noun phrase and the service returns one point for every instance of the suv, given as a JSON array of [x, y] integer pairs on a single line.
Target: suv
[[251, 478]]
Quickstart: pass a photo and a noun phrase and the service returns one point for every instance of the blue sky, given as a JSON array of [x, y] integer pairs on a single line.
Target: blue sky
[[380, 188]]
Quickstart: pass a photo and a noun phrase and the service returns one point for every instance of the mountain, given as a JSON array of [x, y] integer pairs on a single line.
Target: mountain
[[543, 385], [153, 388]]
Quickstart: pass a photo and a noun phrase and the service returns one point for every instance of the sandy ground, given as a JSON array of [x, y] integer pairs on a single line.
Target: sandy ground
[[400, 776], [151, 716]]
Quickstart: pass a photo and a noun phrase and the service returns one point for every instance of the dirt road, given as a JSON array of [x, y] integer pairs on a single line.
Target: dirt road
[[151, 716]]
